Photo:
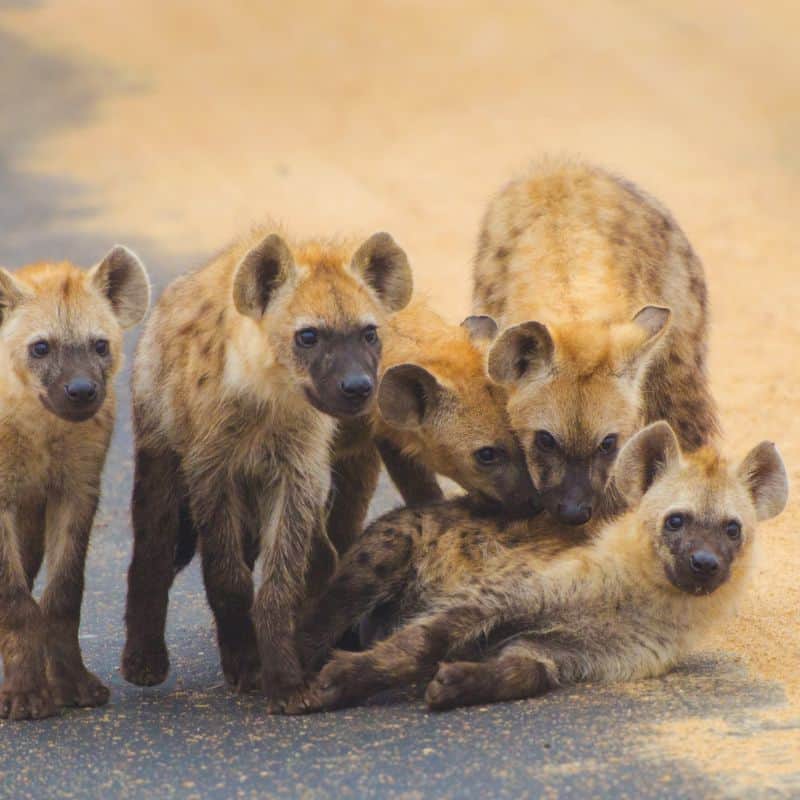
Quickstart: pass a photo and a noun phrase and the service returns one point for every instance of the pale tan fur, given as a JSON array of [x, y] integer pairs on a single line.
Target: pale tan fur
[[50, 469]]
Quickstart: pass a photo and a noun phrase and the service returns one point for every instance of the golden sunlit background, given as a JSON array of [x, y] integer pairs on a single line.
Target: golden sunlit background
[[177, 124]]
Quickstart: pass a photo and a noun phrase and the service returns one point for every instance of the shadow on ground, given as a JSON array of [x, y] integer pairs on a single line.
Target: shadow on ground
[[190, 738]]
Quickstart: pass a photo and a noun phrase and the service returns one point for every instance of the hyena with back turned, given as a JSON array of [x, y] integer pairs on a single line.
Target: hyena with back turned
[[437, 412], [60, 348], [493, 617], [238, 377], [606, 313]]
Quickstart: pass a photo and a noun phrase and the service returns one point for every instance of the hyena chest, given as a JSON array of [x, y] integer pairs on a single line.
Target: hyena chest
[[61, 456]]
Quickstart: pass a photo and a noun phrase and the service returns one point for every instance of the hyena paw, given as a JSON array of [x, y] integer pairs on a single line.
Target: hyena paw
[[456, 684], [335, 687], [242, 668], [26, 703], [299, 701], [84, 691], [145, 665], [281, 681]]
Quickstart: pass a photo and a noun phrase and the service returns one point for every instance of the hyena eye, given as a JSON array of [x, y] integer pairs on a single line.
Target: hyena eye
[[307, 337], [487, 456], [545, 441], [40, 349], [674, 522], [101, 347], [609, 444], [370, 334], [734, 530]]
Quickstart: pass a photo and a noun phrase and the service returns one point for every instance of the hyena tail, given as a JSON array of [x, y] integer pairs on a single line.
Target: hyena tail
[[186, 545]]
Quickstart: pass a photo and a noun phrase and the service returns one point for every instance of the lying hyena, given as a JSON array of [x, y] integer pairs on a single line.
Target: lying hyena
[[619, 338], [238, 377], [438, 412], [60, 346], [512, 616]]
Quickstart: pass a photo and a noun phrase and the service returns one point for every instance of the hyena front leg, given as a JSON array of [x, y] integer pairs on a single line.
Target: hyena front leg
[[229, 582], [25, 693], [30, 524], [415, 482], [156, 511], [295, 522], [68, 526], [375, 570], [353, 483], [409, 655], [521, 669]]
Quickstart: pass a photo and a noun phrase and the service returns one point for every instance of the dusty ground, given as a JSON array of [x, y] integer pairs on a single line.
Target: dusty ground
[[171, 125]]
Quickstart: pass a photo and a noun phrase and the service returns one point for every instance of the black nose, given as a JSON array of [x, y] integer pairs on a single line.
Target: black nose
[[574, 513], [358, 385], [81, 390], [704, 563]]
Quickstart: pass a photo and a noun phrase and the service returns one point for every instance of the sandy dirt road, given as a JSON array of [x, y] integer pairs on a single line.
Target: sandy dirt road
[[173, 125]]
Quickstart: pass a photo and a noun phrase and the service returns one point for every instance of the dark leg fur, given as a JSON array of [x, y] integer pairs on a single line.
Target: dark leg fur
[[159, 515], [354, 480], [415, 482], [69, 524], [278, 604], [229, 587], [25, 693]]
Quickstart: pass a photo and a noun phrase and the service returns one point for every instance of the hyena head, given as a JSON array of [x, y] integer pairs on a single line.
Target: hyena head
[[457, 421], [319, 307], [699, 510], [61, 328], [575, 397]]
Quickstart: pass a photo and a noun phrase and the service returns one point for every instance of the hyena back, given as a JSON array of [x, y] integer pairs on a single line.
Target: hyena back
[[237, 380], [60, 348], [605, 307]]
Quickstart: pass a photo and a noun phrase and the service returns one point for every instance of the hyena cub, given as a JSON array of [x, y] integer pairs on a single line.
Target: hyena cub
[[438, 412], [525, 617], [60, 346], [619, 338], [237, 380]]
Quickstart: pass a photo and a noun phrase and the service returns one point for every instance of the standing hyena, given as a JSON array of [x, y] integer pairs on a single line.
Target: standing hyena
[[60, 347], [236, 379], [437, 412], [619, 299]]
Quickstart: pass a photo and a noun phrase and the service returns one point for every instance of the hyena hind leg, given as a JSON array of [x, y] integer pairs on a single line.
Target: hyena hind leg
[[374, 571], [520, 670], [157, 505], [410, 655]]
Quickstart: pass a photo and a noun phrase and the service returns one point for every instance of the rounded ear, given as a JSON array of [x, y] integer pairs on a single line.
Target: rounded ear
[[383, 265], [480, 328], [259, 274], [635, 340], [522, 352], [123, 280], [407, 395], [643, 458], [764, 474], [12, 292]]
